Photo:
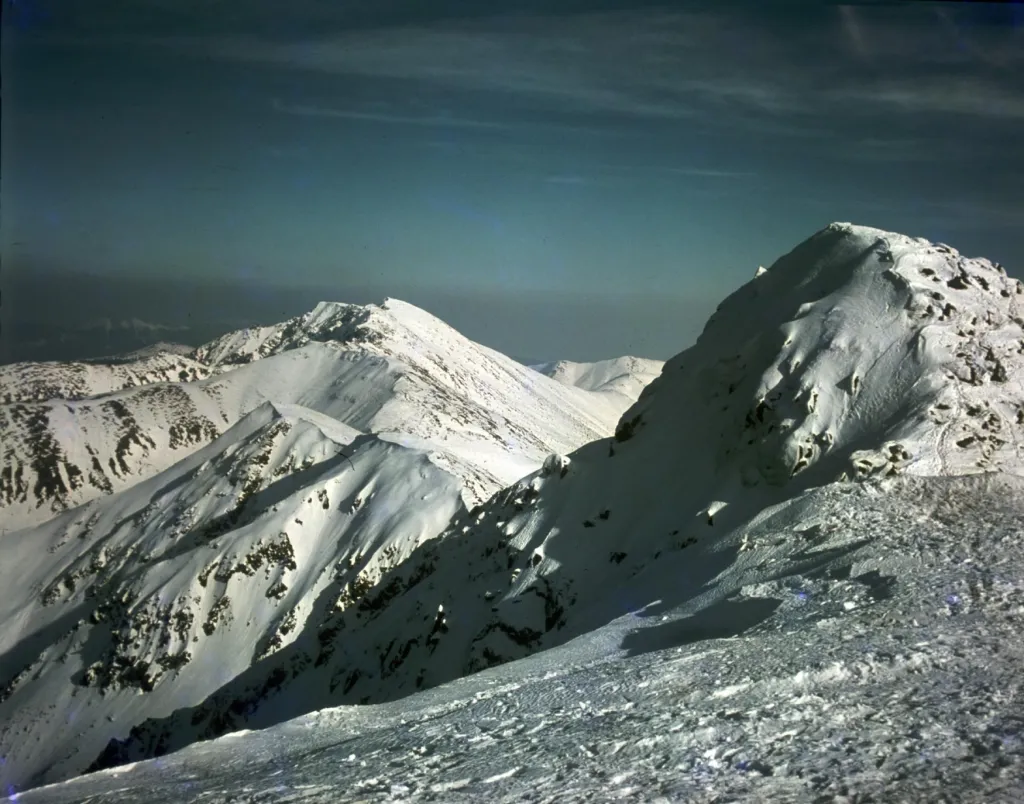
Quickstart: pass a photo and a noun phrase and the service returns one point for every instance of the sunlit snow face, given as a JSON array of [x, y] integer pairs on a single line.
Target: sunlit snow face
[[68, 432]]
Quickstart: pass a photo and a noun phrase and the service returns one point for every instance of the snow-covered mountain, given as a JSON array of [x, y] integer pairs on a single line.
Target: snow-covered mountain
[[38, 382], [620, 375], [384, 369], [785, 456], [891, 672], [148, 600], [861, 354], [409, 423], [160, 347]]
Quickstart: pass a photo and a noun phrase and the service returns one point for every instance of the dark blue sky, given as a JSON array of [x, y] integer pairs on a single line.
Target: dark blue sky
[[556, 180]]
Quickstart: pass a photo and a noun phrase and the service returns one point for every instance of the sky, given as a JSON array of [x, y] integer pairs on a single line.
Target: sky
[[555, 179]]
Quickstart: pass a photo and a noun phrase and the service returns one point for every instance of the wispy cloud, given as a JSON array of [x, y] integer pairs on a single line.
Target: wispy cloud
[[660, 64], [380, 117], [854, 33], [727, 67], [569, 179], [617, 174], [432, 120], [708, 173], [958, 96]]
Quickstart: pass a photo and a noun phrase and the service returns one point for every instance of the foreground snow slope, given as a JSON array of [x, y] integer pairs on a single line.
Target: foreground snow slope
[[390, 368], [140, 603], [890, 672], [621, 375], [861, 354]]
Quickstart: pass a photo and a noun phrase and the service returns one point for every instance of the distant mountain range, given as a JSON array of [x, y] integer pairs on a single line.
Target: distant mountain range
[[624, 375], [74, 431]]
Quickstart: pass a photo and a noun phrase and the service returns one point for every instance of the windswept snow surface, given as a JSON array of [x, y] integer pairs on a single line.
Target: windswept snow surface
[[832, 471], [627, 376], [866, 650], [383, 369]]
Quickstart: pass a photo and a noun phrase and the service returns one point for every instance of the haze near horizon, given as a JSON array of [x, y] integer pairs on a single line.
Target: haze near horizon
[[570, 180]]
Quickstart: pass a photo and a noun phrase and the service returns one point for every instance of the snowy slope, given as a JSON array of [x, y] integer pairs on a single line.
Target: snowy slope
[[889, 674], [623, 375], [145, 601], [38, 382], [860, 355], [384, 369], [161, 347]]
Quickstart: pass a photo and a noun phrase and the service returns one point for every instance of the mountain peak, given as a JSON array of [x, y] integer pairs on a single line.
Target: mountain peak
[[625, 375], [860, 352], [322, 550], [367, 325], [324, 308]]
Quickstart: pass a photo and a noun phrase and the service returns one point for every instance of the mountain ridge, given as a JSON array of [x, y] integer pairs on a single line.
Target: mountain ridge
[[383, 368], [649, 519], [860, 363], [626, 375]]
